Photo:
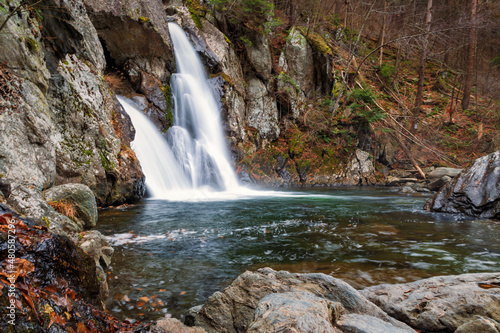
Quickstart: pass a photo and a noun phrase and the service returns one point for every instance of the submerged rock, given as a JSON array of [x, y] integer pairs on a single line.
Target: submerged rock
[[442, 303], [242, 305], [475, 192]]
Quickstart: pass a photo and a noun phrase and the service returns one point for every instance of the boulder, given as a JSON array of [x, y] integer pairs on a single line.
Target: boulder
[[441, 172], [172, 325], [233, 310], [360, 170], [80, 196], [97, 247], [359, 323], [442, 303], [299, 311], [475, 192], [28, 201], [258, 55], [479, 324]]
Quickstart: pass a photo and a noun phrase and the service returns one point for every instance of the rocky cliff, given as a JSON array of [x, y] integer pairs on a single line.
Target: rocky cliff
[[60, 121]]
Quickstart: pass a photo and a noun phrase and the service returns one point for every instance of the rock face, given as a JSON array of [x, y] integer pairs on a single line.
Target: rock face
[[59, 120], [440, 304], [243, 305], [474, 192]]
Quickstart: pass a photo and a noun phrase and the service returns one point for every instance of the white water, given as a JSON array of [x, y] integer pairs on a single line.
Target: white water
[[192, 163]]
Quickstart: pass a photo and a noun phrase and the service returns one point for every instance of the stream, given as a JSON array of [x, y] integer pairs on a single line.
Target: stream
[[172, 255]]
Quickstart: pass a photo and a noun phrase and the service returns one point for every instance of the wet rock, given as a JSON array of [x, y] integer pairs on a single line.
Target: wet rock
[[97, 247], [233, 310], [439, 183], [58, 122], [79, 195], [56, 285], [475, 192], [479, 324], [439, 304], [293, 311], [396, 181], [172, 325]]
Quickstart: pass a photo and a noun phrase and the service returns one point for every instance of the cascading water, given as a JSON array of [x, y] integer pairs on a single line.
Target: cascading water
[[197, 138], [194, 157]]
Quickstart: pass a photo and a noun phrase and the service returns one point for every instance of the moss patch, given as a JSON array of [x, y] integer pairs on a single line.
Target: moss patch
[[197, 11], [317, 41]]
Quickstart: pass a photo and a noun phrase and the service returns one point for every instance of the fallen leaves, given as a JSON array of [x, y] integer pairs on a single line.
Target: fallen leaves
[[489, 285]]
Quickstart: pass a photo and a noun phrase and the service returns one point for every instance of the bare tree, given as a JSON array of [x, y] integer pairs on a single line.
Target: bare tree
[[469, 71], [421, 68]]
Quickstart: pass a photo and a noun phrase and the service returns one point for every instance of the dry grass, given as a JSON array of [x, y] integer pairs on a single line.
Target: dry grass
[[116, 81], [64, 207]]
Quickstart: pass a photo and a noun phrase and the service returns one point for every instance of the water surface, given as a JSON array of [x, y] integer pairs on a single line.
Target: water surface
[[176, 254]]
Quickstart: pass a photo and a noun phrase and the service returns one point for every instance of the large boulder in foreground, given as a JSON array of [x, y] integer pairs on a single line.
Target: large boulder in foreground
[[475, 192], [243, 305], [441, 303]]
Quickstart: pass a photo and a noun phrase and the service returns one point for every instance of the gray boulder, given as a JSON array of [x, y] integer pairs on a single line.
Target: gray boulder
[[441, 172], [439, 304], [299, 311], [233, 310], [358, 323], [97, 246], [27, 200], [475, 192], [479, 324], [81, 196]]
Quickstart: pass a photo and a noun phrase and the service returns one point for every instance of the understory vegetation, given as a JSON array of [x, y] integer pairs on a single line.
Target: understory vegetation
[[399, 82]]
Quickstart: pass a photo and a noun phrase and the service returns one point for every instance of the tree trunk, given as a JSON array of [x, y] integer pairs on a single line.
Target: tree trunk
[[469, 73], [421, 69], [382, 35]]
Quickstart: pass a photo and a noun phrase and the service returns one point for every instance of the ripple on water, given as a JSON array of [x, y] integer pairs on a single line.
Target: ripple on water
[[182, 252]]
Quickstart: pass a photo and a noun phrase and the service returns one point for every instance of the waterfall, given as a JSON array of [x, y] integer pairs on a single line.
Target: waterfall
[[193, 156]]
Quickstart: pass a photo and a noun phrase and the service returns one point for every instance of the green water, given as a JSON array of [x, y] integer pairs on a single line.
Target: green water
[[178, 253]]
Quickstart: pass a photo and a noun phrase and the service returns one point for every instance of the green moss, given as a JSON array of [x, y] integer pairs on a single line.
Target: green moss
[[197, 11], [46, 220], [106, 164], [317, 41], [144, 19], [285, 78], [32, 45], [167, 92]]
